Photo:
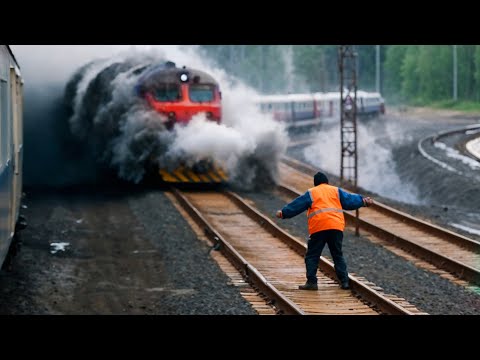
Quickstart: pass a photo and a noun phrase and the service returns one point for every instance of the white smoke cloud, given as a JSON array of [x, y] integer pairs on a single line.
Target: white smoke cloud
[[247, 143], [203, 139], [376, 167], [47, 64]]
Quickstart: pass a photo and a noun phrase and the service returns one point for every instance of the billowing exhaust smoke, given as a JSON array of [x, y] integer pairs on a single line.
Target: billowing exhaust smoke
[[118, 129]]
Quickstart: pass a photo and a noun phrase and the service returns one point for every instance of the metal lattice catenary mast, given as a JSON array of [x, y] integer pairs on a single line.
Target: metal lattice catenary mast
[[347, 66]]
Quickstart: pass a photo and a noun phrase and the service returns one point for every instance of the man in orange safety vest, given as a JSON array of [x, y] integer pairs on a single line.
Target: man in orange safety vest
[[325, 204]]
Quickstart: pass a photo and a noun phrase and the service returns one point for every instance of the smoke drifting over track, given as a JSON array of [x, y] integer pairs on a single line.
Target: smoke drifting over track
[[109, 127], [377, 171]]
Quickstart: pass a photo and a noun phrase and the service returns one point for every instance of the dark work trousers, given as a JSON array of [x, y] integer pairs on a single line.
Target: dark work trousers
[[316, 243]]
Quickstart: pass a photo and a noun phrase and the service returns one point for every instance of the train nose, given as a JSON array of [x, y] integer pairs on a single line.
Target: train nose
[[187, 115]]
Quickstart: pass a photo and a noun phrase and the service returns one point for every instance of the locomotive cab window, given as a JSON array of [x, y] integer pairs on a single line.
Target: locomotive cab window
[[167, 92], [201, 93]]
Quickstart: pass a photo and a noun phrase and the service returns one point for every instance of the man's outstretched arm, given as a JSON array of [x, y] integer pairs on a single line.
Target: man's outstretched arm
[[352, 201], [297, 206]]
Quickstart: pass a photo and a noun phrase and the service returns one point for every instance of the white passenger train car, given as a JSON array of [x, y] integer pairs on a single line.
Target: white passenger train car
[[11, 149], [293, 108]]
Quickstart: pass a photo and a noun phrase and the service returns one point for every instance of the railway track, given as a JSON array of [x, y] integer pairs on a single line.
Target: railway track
[[443, 248], [272, 260], [433, 138]]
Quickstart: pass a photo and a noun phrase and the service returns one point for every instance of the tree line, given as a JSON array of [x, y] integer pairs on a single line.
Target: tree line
[[413, 74]]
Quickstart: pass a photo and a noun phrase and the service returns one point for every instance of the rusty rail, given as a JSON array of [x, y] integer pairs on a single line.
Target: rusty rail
[[247, 270]]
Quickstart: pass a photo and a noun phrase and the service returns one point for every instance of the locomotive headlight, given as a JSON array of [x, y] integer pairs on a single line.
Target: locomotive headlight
[[184, 77]]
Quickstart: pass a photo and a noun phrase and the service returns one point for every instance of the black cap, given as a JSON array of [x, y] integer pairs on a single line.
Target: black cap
[[320, 178]]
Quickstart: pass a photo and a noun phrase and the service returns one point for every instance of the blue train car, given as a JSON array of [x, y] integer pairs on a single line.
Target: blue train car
[[11, 150]]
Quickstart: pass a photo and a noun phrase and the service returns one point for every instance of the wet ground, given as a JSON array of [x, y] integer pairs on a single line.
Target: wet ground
[[112, 251]]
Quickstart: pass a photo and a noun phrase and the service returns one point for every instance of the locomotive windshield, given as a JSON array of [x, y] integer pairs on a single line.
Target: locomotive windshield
[[201, 93], [167, 92]]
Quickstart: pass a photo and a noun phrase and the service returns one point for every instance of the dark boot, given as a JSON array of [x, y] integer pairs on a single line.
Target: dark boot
[[308, 286]]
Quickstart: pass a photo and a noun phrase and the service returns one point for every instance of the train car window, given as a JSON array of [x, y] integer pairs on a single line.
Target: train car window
[[167, 92], [3, 122], [201, 93], [9, 114]]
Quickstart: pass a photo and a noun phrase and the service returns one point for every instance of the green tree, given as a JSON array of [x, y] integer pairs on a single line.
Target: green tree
[[477, 72], [417, 74], [316, 65], [366, 67], [260, 66], [435, 72], [409, 73], [393, 80], [466, 72]]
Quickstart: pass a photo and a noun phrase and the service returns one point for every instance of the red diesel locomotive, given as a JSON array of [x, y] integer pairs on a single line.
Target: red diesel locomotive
[[179, 94]]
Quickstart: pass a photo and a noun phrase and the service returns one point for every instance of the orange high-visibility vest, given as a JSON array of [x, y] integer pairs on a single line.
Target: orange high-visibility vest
[[326, 211]]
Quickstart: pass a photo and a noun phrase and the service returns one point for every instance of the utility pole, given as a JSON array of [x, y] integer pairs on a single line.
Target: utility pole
[[377, 85], [455, 73], [347, 67]]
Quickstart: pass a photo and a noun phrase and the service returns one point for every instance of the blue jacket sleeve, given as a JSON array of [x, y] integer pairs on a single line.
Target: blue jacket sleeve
[[350, 201], [297, 206]]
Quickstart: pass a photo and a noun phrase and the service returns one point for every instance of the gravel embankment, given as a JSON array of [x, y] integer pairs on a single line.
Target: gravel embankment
[[129, 252], [188, 267]]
